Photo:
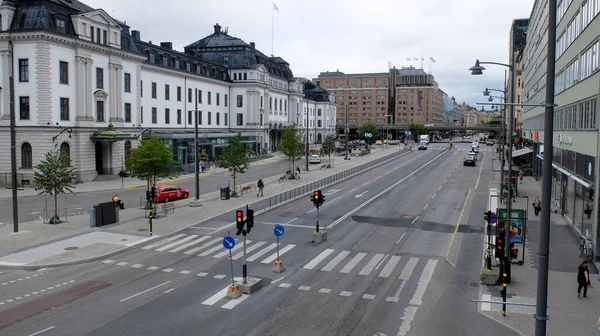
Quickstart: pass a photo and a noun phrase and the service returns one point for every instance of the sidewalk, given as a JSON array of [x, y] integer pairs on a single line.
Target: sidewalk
[[568, 314], [44, 245]]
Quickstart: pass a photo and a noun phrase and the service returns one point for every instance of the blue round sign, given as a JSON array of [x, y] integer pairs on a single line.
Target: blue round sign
[[278, 230], [228, 242], [493, 218]]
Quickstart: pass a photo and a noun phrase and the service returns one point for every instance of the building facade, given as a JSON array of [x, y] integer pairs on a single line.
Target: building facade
[[85, 83], [451, 110], [517, 41], [577, 90]]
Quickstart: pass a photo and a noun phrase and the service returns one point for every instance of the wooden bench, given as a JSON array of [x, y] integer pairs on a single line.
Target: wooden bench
[[248, 188], [168, 206]]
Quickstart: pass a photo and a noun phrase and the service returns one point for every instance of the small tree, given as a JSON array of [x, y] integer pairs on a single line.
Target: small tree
[[54, 176], [371, 128], [329, 146], [291, 144], [234, 157], [151, 160], [417, 130]]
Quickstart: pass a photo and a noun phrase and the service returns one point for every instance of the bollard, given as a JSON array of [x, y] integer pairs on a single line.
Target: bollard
[[92, 213]]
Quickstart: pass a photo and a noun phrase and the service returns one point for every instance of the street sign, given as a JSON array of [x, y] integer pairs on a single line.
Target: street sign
[[278, 230], [493, 217], [228, 242]]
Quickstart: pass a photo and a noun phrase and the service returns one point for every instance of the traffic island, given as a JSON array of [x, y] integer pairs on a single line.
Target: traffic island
[[318, 237], [252, 285], [233, 292], [278, 267]]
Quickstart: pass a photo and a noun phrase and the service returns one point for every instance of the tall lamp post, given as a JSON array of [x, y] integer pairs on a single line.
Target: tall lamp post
[[13, 148], [307, 130], [486, 93], [196, 202]]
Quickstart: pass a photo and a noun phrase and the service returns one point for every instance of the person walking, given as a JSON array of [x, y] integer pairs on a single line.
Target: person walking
[[521, 175], [589, 206], [537, 205], [583, 278], [261, 186]]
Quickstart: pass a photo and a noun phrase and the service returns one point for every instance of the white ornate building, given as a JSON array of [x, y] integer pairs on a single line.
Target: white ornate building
[[84, 82]]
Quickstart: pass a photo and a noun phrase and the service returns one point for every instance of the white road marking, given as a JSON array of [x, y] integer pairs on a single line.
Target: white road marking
[[122, 263], [168, 270], [215, 298], [42, 331], [325, 290], [287, 224], [137, 265], [169, 290], [284, 285], [389, 267], [313, 263], [344, 293], [440, 188], [235, 249], [403, 234], [164, 241], [213, 250], [426, 276], [479, 176], [248, 250], [145, 291], [432, 197], [262, 252], [486, 306], [108, 261], [353, 262], [409, 314], [184, 246], [391, 299], [304, 288], [414, 220], [185, 272], [371, 264], [203, 246], [368, 296], [331, 265], [234, 302], [426, 205], [273, 256], [219, 276], [406, 273], [202, 274], [152, 268]]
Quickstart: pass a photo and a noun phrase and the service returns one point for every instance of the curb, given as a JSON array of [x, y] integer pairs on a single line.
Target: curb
[[256, 213], [165, 182]]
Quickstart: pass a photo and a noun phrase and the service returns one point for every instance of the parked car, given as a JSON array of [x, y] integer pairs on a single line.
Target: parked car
[[167, 193], [469, 161], [314, 159]]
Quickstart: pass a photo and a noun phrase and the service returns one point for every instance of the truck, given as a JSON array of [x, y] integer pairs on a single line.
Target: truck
[[424, 138]]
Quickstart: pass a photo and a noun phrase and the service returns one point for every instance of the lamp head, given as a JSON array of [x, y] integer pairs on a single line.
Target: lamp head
[[490, 99], [476, 69], [486, 92]]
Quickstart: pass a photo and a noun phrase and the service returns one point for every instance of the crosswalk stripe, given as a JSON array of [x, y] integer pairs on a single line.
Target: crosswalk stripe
[[234, 302], [353, 262], [331, 265], [371, 264], [389, 267], [234, 249], [181, 241], [417, 298], [249, 249], [273, 256], [408, 268], [211, 250], [203, 246], [164, 241], [217, 297], [262, 252], [184, 246], [317, 260]]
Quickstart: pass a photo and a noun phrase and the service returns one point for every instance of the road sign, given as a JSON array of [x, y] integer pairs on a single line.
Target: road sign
[[228, 242], [278, 230], [493, 217]]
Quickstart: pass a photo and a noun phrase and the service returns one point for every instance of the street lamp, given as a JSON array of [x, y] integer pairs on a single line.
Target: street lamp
[[196, 202]]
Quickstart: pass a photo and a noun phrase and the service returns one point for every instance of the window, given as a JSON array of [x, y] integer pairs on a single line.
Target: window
[[319, 123], [127, 82], [65, 148], [64, 109], [104, 37], [127, 112], [189, 118], [178, 117], [24, 108], [99, 78], [63, 72], [280, 105], [179, 93], [154, 115], [100, 110], [261, 102], [218, 118], [245, 76], [165, 61], [60, 25], [225, 119], [141, 114], [152, 58], [225, 100], [141, 88], [240, 101], [235, 76], [91, 33], [199, 96], [218, 99], [26, 156], [189, 95], [285, 106], [270, 103], [319, 113], [167, 116], [199, 117], [23, 70], [167, 91], [209, 117], [208, 97], [275, 104], [177, 64], [127, 148], [188, 67], [154, 90], [240, 119]]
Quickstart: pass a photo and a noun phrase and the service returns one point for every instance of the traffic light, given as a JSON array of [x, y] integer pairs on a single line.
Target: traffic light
[[148, 195], [487, 215], [318, 198], [239, 221], [500, 242], [249, 219]]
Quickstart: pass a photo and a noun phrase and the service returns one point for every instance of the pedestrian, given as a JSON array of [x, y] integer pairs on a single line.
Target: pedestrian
[[298, 172], [212, 167], [261, 186], [521, 174], [537, 205], [583, 278], [588, 208]]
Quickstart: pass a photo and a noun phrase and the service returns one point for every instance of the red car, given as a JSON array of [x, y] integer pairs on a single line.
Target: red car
[[167, 193]]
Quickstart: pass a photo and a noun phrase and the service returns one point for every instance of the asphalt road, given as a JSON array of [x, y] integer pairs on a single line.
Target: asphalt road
[[32, 207], [381, 272]]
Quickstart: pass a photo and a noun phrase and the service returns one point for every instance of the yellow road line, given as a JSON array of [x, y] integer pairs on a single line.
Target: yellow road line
[[458, 225]]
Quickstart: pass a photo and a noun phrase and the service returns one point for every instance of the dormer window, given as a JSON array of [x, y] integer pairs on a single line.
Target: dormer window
[[198, 69], [61, 25], [165, 61], [188, 67], [177, 64], [152, 58]]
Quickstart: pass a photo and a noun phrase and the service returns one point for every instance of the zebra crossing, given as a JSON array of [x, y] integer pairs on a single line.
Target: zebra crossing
[[209, 246]]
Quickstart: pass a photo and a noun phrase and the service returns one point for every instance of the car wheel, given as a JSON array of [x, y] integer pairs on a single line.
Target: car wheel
[[186, 195], [167, 199]]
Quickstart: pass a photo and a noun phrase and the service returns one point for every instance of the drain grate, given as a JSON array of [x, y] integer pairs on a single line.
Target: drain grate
[[125, 239], [71, 248], [141, 230]]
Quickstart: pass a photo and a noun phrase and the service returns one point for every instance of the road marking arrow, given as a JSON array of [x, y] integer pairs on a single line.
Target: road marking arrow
[[333, 191], [361, 194]]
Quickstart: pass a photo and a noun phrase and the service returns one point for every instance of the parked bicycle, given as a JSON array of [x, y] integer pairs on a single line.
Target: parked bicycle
[[585, 249]]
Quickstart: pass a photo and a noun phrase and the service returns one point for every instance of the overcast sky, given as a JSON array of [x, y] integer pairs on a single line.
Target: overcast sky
[[350, 35]]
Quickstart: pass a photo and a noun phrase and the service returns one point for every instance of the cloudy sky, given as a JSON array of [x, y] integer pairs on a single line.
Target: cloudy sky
[[350, 35]]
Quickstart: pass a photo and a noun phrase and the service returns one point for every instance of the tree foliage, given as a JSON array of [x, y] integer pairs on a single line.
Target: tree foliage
[[417, 130], [291, 144], [151, 160], [369, 127], [54, 175], [234, 156], [329, 146]]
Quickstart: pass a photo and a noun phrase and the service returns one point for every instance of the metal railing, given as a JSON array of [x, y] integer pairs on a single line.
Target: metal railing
[[62, 213]]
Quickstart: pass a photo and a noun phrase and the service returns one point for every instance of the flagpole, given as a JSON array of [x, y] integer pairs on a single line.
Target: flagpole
[[272, 29]]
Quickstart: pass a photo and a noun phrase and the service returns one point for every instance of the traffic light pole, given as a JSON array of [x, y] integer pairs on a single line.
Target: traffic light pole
[[244, 266], [317, 219]]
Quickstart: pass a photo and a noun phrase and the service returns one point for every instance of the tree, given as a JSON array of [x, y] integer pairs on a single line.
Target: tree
[[291, 144], [151, 160], [368, 127], [329, 146], [54, 176], [235, 157], [417, 130]]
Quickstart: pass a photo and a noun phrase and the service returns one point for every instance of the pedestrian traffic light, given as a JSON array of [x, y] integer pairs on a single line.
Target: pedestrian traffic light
[[500, 241], [249, 219], [239, 221], [318, 198]]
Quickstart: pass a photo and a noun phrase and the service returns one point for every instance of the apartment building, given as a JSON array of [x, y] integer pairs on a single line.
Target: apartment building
[[577, 89], [517, 41]]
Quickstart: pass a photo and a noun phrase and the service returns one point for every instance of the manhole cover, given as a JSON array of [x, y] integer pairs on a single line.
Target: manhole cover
[[124, 239], [71, 248], [142, 230]]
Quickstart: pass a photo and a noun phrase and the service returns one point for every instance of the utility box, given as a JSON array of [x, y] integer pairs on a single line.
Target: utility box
[[225, 193], [106, 214]]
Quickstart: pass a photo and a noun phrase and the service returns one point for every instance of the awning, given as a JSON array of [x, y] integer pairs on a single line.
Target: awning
[[111, 134], [522, 151]]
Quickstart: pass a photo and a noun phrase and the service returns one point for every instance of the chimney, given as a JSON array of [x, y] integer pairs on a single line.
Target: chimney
[[136, 35], [217, 28], [166, 45], [253, 45]]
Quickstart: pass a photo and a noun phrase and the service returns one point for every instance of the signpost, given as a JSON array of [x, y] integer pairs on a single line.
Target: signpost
[[517, 227], [234, 290], [278, 230]]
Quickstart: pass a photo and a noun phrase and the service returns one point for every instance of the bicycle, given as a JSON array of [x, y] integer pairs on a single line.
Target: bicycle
[[585, 249]]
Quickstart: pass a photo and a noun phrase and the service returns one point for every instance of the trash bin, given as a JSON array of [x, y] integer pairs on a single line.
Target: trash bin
[[225, 193]]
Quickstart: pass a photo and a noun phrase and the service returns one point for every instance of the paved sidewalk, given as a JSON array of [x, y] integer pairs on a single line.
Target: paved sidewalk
[[568, 314], [45, 245]]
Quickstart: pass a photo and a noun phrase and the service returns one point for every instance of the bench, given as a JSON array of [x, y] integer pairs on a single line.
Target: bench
[[248, 188], [168, 206]]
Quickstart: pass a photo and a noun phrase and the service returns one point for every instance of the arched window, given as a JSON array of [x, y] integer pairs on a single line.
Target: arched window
[[65, 148], [127, 149], [26, 156]]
